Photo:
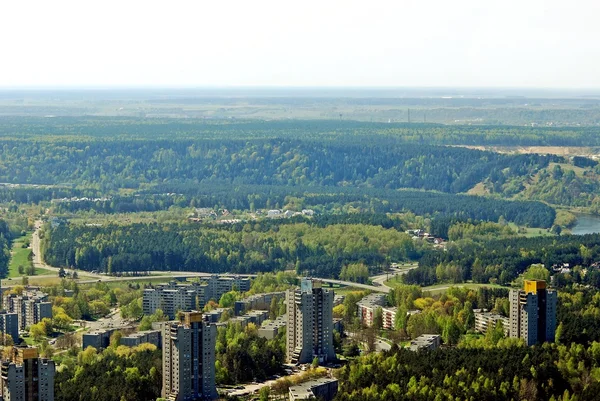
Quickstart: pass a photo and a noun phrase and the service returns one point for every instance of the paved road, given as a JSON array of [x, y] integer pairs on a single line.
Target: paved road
[[37, 262], [380, 280], [112, 321], [35, 248]]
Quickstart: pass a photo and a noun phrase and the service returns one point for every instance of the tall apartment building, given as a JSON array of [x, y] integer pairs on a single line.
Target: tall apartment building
[[30, 308], [189, 359], [310, 323], [9, 325], [533, 312], [173, 297], [27, 377]]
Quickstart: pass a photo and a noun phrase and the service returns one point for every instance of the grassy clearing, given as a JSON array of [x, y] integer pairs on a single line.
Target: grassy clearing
[[19, 256], [530, 232]]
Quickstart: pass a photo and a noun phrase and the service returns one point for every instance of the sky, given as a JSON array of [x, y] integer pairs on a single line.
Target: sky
[[408, 43]]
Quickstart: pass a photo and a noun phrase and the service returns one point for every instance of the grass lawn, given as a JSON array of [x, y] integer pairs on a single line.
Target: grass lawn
[[41, 281], [440, 288], [20, 257]]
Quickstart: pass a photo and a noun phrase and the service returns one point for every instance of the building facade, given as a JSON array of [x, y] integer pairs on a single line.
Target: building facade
[[9, 325], [148, 336], [310, 323], [368, 306], [189, 359], [485, 320], [30, 308], [173, 297], [258, 301], [98, 339], [533, 312], [27, 377]]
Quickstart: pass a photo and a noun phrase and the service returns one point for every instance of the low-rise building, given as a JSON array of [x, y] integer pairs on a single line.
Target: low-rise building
[[485, 320], [147, 336], [389, 317], [271, 328], [256, 317], [321, 389], [258, 301], [215, 315], [426, 341], [98, 339], [367, 307]]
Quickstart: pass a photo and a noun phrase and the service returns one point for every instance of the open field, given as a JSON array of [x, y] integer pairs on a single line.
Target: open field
[[530, 232], [592, 152]]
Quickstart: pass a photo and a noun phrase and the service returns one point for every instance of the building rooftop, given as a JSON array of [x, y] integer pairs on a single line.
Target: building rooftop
[[304, 390], [372, 300]]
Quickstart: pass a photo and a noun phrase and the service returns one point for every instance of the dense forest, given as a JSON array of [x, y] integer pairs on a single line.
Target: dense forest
[[324, 200], [548, 372], [319, 251], [96, 157], [503, 260], [112, 375], [379, 163], [6, 238], [109, 128]]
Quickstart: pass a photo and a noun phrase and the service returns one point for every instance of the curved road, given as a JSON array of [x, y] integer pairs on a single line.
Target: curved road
[[37, 262]]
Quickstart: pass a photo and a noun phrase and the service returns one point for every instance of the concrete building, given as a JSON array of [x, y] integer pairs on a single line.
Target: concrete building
[[321, 389], [189, 359], [484, 320], [27, 377], [173, 297], [338, 300], [170, 298], [255, 316], [389, 317], [215, 315], [271, 328], [426, 341], [31, 307], [9, 325], [98, 339], [148, 336], [533, 312], [367, 307], [310, 323], [258, 301]]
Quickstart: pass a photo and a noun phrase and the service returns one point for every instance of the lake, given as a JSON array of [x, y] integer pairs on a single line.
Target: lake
[[586, 224]]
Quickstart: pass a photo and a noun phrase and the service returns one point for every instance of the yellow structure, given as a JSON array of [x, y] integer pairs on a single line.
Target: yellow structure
[[191, 317], [532, 286], [23, 354]]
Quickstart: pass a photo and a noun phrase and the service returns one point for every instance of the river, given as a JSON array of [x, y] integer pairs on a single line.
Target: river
[[586, 224]]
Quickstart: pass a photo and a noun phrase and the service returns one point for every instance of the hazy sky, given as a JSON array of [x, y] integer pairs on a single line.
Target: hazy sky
[[532, 43]]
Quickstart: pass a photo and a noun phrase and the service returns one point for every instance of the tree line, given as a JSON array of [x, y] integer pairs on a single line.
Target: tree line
[[318, 251]]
